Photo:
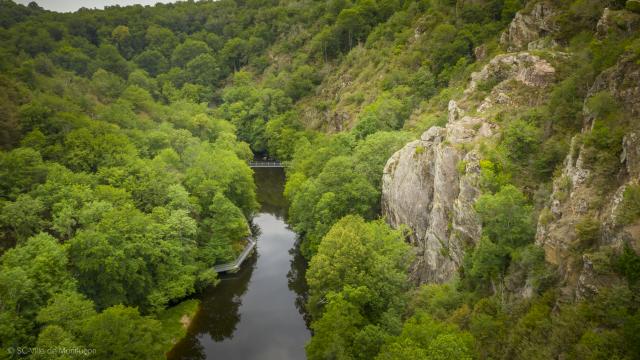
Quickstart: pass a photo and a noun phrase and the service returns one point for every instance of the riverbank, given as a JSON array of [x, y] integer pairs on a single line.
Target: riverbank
[[258, 311], [175, 322]]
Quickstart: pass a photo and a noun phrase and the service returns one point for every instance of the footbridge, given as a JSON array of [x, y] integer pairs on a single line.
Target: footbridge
[[235, 265], [267, 164]]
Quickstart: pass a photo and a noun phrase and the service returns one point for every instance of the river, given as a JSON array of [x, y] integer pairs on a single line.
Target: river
[[256, 313]]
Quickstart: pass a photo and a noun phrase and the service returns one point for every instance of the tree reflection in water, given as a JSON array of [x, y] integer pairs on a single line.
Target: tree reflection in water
[[219, 312], [297, 281], [258, 312]]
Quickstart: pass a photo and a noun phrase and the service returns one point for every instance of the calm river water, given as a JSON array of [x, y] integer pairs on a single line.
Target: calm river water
[[256, 313]]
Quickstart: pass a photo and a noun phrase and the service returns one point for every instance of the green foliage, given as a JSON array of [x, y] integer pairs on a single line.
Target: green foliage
[[588, 233], [129, 229], [68, 310], [580, 14], [301, 82], [490, 262], [633, 5], [520, 140], [109, 59], [283, 134], [108, 86], [172, 321], [20, 170], [30, 274], [23, 217], [628, 264], [337, 328], [152, 61], [325, 184], [506, 217], [424, 83], [428, 339], [356, 281], [629, 208], [372, 153], [128, 159], [337, 191], [202, 70], [532, 329], [187, 51], [529, 261], [121, 333], [507, 230], [123, 183], [565, 103], [603, 147], [355, 253], [439, 301], [384, 114], [54, 336], [226, 226], [492, 177], [249, 109]]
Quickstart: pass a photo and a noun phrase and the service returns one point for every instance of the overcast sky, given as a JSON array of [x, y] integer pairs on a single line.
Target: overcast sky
[[69, 5]]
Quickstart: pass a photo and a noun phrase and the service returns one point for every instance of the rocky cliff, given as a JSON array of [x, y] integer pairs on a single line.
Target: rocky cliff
[[581, 194], [431, 184]]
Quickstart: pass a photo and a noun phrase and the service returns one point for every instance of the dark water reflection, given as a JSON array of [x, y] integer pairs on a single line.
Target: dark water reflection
[[256, 313]]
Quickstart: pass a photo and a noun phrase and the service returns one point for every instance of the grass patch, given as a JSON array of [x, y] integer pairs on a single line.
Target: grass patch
[[175, 321]]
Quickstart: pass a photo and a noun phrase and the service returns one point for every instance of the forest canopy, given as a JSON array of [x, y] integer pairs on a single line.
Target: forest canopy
[[125, 136]]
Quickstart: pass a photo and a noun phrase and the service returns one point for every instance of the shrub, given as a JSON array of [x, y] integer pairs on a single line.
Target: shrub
[[628, 265], [462, 166], [521, 140], [506, 217], [633, 5], [629, 210], [603, 144], [545, 216], [588, 232]]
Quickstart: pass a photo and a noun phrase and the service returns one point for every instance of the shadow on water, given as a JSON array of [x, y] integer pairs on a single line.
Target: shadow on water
[[297, 281], [257, 312], [220, 306], [270, 191]]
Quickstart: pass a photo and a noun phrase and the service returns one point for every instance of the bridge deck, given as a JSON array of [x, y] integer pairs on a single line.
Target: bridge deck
[[235, 265], [266, 164]]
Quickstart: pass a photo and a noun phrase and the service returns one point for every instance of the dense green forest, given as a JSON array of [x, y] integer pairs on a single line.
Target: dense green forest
[[125, 138]]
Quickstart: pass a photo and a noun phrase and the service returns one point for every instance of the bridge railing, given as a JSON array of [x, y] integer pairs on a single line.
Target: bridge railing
[[234, 265], [275, 164]]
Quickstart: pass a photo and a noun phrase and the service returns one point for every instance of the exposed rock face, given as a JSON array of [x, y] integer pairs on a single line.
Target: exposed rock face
[[631, 154], [480, 52], [575, 198], [423, 188], [431, 184], [620, 21], [524, 67], [623, 82], [525, 28]]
